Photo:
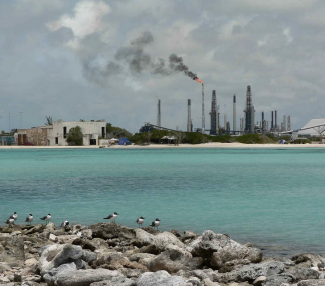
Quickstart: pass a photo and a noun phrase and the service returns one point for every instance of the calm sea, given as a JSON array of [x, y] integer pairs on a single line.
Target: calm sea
[[273, 198]]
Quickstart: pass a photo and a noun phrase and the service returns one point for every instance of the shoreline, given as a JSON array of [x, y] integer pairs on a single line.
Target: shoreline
[[172, 146], [112, 254]]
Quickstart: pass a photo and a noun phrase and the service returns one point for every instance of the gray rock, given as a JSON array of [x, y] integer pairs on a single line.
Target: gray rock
[[204, 273], [194, 281], [137, 256], [314, 259], [160, 240], [56, 255], [302, 272], [36, 229], [219, 248], [259, 281], [50, 227], [86, 277], [127, 282], [151, 249], [173, 260], [87, 233], [110, 230], [251, 272], [132, 273], [278, 280], [51, 276], [13, 249], [189, 235], [88, 256], [312, 282], [160, 278], [30, 283], [208, 282]]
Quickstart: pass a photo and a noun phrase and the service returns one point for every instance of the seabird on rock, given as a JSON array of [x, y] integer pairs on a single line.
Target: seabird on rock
[[10, 221], [14, 216], [112, 217], [140, 221], [155, 223], [29, 219], [46, 218], [79, 233], [65, 223]]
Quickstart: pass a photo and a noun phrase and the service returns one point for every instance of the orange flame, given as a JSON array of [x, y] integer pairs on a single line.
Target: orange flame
[[198, 80]]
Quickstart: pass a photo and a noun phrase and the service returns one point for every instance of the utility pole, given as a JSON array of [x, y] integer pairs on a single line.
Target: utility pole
[[9, 122]]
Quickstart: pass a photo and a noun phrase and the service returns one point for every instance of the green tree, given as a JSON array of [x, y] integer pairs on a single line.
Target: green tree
[[49, 120], [75, 136]]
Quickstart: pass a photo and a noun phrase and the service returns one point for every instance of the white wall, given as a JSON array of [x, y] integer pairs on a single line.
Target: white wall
[[91, 130]]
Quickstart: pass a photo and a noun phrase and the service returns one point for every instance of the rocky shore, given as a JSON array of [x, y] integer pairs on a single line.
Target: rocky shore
[[107, 254]]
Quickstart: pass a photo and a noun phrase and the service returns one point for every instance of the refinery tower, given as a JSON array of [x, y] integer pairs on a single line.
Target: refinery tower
[[249, 112]]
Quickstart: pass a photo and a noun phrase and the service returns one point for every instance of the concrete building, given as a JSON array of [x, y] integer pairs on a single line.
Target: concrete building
[[56, 134], [91, 130], [38, 136]]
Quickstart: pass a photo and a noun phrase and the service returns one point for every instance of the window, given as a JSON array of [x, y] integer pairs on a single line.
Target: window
[[64, 132], [56, 140]]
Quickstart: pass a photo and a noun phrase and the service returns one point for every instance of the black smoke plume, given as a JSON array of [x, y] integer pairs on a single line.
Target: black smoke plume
[[138, 61]]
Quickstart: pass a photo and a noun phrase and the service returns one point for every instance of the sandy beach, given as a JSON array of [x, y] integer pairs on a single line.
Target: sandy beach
[[204, 145]]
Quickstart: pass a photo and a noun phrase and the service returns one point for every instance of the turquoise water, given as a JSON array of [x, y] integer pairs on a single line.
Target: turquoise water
[[271, 197]]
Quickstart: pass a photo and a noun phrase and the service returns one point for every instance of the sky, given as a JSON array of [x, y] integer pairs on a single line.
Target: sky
[[98, 59]]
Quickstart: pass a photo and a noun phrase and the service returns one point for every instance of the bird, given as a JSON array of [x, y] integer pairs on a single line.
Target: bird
[[46, 218], [10, 221], [29, 219], [112, 217], [155, 223], [140, 220], [65, 223], [14, 216]]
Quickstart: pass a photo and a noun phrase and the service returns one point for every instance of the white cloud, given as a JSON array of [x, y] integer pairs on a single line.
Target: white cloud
[[276, 5], [87, 18], [287, 34]]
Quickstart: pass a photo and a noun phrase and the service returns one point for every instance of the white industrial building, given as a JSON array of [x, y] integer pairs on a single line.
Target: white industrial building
[[91, 130], [316, 131]]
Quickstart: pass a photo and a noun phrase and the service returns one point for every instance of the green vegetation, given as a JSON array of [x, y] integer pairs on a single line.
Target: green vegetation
[[49, 120], [112, 131], [75, 136]]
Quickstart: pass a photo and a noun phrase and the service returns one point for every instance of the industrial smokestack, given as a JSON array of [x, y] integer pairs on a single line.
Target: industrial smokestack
[[249, 112], [203, 118], [288, 123], [189, 120], [234, 114], [159, 114], [275, 120], [213, 114]]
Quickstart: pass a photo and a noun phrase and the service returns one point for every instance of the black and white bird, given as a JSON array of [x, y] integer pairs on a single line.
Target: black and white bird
[[46, 218], [112, 217], [10, 221], [155, 223], [65, 223], [140, 221], [14, 216], [29, 219]]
